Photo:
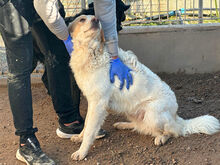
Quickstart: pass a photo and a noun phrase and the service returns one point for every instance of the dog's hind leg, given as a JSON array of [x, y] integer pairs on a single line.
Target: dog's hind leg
[[95, 118], [159, 120], [124, 125]]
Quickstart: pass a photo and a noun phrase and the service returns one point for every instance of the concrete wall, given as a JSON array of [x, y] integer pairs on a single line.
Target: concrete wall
[[180, 48], [171, 49]]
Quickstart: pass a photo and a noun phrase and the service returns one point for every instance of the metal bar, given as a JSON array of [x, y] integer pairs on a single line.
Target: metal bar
[[176, 9], [193, 9], [151, 10], [168, 9], [90, 1], [216, 6], [211, 8], [219, 7], [142, 8], [144, 21], [184, 9], [83, 4], [200, 11], [159, 8]]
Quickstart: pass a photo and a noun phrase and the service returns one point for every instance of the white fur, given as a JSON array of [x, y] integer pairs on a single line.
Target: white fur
[[150, 105]]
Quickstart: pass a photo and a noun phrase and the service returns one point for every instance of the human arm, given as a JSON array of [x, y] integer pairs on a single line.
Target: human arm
[[105, 11], [48, 10]]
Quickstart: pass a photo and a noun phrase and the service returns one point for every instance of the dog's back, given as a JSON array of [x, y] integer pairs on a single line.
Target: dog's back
[[147, 86]]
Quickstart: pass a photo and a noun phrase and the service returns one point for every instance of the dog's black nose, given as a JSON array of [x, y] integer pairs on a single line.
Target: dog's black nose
[[95, 23], [95, 20]]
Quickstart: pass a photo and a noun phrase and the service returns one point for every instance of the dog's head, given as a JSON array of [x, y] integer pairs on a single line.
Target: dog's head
[[86, 29], [88, 39], [120, 13]]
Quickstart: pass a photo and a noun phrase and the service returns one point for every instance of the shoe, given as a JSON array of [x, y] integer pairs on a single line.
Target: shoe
[[31, 153], [101, 134], [67, 132]]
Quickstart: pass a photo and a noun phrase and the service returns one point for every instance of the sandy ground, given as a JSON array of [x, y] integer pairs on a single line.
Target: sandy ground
[[197, 94]]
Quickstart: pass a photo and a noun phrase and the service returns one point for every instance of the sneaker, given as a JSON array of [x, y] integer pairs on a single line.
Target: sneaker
[[73, 129], [32, 154], [101, 134]]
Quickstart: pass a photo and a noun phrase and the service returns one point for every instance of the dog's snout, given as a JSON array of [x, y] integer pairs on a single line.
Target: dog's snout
[[95, 23], [95, 20]]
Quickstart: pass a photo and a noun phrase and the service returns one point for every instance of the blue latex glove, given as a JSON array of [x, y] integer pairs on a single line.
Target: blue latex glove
[[69, 44], [122, 71]]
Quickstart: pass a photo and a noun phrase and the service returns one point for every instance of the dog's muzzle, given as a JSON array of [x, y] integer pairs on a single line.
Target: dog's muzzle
[[95, 23]]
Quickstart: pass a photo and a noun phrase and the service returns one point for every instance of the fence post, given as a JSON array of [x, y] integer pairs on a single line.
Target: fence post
[[200, 11], [89, 1], [83, 4], [219, 8]]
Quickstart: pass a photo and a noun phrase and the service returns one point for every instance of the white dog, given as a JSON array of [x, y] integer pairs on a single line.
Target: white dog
[[150, 105]]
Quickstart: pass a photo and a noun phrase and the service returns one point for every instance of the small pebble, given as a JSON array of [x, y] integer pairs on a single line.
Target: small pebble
[[174, 161], [178, 87], [15, 143], [188, 148]]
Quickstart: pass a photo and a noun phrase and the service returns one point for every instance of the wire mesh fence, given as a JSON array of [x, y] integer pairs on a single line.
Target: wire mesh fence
[[154, 12]]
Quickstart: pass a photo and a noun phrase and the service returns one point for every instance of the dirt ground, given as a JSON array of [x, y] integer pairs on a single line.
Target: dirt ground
[[197, 94]]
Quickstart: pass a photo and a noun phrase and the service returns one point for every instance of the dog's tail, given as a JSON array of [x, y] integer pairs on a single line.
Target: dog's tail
[[204, 124]]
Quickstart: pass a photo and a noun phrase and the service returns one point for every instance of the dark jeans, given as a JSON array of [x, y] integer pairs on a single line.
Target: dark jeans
[[16, 19]]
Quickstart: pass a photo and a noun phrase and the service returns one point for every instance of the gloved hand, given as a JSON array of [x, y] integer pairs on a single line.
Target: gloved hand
[[122, 71], [69, 44]]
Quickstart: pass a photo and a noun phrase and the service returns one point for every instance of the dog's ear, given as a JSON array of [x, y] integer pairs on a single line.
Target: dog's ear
[[102, 42], [73, 29], [91, 5], [120, 5], [126, 7], [102, 36], [70, 28]]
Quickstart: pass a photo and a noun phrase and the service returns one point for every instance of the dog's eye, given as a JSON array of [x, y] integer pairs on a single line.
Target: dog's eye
[[82, 20]]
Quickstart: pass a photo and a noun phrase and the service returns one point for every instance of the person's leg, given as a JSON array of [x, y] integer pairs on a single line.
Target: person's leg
[[18, 42], [63, 88], [56, 61], [14, 28]]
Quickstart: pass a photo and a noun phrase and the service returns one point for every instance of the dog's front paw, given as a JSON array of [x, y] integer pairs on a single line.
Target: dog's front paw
[[76, 138], [78, 155], [160, 140]]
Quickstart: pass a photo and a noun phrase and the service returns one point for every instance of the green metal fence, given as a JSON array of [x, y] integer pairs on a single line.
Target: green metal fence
[[160, 11]]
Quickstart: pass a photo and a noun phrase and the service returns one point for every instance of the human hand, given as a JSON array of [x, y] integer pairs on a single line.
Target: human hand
[[117, 67], [69, 44]]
